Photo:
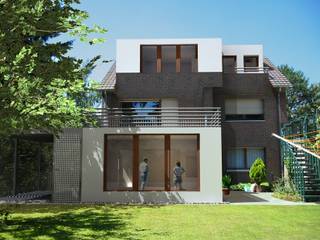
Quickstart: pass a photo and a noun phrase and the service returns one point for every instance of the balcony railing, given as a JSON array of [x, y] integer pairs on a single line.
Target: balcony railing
[[158, 117], [246, 69]]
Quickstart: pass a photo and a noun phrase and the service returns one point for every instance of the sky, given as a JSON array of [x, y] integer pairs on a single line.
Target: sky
[[288, 29]]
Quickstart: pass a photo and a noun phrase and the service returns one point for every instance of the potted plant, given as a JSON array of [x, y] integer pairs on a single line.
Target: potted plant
[[226, 183], [258, 173]]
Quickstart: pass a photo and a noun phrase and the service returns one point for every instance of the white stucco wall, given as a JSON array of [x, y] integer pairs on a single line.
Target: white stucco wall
[[209, 53], [244, 50], [210, 168]]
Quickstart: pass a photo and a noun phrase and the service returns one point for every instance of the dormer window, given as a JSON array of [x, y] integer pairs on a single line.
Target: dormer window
[[169, 58]]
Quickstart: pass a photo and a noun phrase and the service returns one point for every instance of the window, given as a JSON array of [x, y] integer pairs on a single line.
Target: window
[[189, 59], [243, 158], [229, 63], [169, 58], [151, 147], [184, 149], [137, 111], [168, 63], [118, 167], [251, 63], [149, 59], [149, 162], [244, 109]]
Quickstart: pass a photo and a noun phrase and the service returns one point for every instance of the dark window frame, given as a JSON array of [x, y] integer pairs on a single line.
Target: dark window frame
[[246, 117], [249, 68], [135, 162], [245, 149], [159, 56]]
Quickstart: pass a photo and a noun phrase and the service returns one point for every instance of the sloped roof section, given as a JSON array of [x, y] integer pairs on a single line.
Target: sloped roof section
[[276, 78], [109, 81]]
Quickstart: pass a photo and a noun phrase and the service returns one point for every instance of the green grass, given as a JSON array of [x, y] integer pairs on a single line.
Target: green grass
[[162, 222]]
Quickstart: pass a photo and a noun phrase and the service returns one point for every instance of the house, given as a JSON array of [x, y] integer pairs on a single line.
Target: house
[[210, 106]]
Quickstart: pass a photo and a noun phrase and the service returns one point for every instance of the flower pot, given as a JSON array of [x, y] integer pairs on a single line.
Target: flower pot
[[226, 191]]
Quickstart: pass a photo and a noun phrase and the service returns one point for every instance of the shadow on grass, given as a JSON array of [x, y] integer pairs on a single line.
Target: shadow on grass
[[82, 223]]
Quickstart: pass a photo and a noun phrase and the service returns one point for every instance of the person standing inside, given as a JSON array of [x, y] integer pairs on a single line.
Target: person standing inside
[[143, 170], [177, 174]]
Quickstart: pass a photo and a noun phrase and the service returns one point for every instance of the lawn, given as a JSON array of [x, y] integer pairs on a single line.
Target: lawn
[[162, 222]]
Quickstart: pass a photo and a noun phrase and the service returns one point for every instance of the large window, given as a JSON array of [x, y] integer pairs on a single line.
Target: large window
[[151, 162], [243, 158], [169, 58], [189, 58], [118, 164], [244, 109], [184, 150], [168, 63], [151, 147], [149, 59]]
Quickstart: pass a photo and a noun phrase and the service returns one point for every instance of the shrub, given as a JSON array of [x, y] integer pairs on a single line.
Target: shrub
[[4, 215], [284, 188], [257, 171], [266, 187], [226, 181], [239, 186]]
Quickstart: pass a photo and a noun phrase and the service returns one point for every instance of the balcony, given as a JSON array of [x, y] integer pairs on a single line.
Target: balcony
[[158, 117]]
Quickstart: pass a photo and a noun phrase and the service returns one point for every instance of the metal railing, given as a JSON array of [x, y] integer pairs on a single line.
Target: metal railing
[[158, 117], [289, 153], [245, 69]]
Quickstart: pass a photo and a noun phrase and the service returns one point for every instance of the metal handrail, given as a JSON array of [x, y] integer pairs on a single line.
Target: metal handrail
[[246, 69], [158, 117], [296, 145]]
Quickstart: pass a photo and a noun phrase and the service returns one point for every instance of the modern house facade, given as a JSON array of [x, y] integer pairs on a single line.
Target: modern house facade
[[209, 107]]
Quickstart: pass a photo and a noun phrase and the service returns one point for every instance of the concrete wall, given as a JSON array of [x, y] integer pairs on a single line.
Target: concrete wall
[[244, 50], [210, 168], [209, 53]]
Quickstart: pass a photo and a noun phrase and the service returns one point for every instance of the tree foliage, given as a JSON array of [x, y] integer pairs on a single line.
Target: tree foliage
[[303, 98], [41, 86]]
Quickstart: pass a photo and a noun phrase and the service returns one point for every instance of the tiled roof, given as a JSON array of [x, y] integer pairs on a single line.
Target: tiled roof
[[109, 81], [276, 78]]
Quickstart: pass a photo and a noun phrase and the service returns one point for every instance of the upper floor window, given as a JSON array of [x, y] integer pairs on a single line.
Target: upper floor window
[[169, 58], [149, 59], [229, 63], [251, 63], [244, 109]]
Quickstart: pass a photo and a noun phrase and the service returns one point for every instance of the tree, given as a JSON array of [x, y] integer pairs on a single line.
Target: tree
[[303, 98], [41, 87]]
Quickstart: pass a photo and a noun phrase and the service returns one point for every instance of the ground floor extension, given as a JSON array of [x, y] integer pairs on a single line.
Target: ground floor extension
[[138, 165]]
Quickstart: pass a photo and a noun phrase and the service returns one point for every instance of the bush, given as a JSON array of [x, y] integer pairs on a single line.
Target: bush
[[4, 215], [226, 181], [284, 188], [266, 187], [257, 171]]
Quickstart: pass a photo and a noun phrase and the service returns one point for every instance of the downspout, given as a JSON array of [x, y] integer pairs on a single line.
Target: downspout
[[279, 128]]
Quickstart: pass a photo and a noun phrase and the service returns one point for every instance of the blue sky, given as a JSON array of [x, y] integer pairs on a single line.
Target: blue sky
[[288, 29]]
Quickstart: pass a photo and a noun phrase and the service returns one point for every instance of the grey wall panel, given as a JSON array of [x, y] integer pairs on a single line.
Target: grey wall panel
[[67, 166]]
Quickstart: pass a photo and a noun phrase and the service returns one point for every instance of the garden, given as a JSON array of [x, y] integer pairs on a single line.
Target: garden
[[282, 188]]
